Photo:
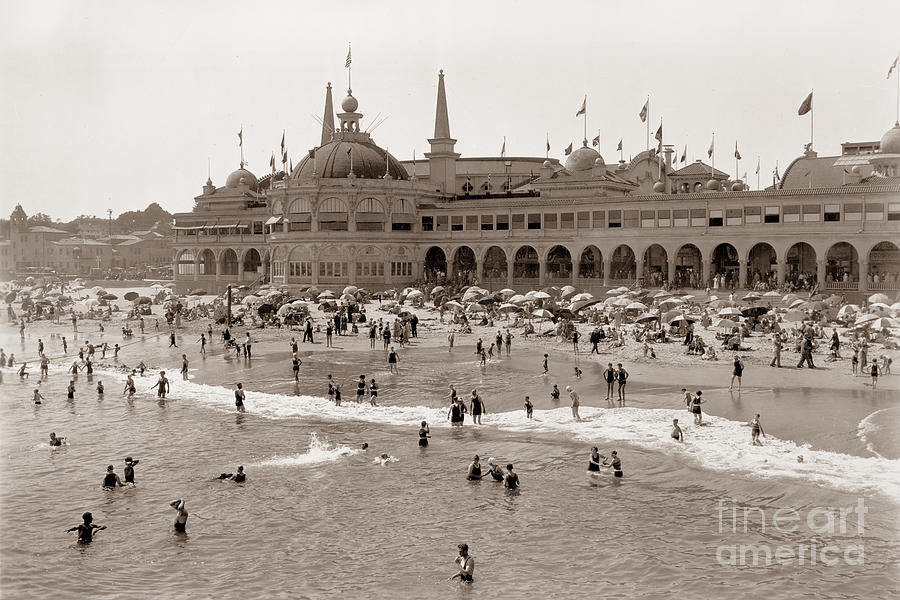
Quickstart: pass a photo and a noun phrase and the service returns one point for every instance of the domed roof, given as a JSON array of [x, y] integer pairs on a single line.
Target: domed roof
[[234, 179], [582, 159], [333, 161], [890, 141]]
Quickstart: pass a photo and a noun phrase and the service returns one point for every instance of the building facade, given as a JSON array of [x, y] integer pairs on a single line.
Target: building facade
[[350, 213]]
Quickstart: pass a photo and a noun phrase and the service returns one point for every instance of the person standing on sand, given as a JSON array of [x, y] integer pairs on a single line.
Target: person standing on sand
[[696, 401], [737, 372], [776, 350], [507, 341], [450, 340], [873, 371], [575, 402], [477, 408], [239, 398], [755, 431], [610, 376], [393, 359], [184, 367]]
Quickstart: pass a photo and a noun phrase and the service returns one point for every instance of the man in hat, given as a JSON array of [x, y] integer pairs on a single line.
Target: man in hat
[[129, 469]]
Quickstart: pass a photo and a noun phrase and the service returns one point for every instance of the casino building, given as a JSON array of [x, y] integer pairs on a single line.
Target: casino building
[[351, 213]]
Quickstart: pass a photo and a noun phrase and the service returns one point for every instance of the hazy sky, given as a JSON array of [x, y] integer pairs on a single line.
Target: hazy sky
[[119, 104]]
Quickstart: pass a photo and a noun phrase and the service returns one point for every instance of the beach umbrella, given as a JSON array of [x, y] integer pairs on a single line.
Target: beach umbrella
[[688, 297], [751, 296], [725, 324], [670, 303], [543, 313], [868, 318], [847, 310], [251, 299], [109, 297], [198, 292], [895, 306], [299, 303], [415, 294], [437, 289], [88, 302], [796, 303], [169, 285], [794, 315], [506, 292], [879, 307], [788, 298], [566, 291], [636, 306], [472, 294], [540, 295], [815, 297], [621, 301], [833, 300], [582, 296], [453, 304], [645, 317], [816, 305], [507, 308], [326, 295], [682, 318], [662, 294], [156, 285], [285, 309], [754, 311], [144, 300], [772, 294], [348, 298], [475, 307], [729, 311], [518, 299], [881, 323], [131, 296], [582, 304], [350, 289]]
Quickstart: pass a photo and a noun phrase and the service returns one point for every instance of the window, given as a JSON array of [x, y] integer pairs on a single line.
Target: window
[[401, 269], [773, 214], [487, 222], [549, 221], [502, 222], [681, 217], [257, 227], [427, 223], [893, 211], [663, 218], [518, 221], [648, 218], [811, 212], [832, 213], [370, 269], [752, 214], [733, 216], [698, 217], [630, 218], [615, 218], [791, 213], [584, 219], [333, 269], [599, 218], [442, 222], [300, 268], [534, 220], [875, 211], [401, 226], [471, 222], [853, 212], [567, 221], [277, 269], [456, 223], [300, 226], [716, 217]]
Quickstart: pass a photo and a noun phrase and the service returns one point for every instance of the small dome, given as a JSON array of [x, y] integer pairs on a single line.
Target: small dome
[[241, 177], [582, 159], [547, 164], [712, 185], [737, 186], [855, 170], [890, 142], [659, 187], [598, 162], [349, 104]]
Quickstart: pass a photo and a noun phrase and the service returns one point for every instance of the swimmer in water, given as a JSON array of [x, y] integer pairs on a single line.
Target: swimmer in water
[[696, 401], [424, 433], [474, 472], [755, 431], [239, 397], [182, 516], [494, 470], [529, 408], [594, 462], [86, 529], [511, 481], [615, 464], [239, 477], [38, 397], [545, 364], [575, 402], [100, 389], [56, 441], [677, 434], [554, 393], [111, 480], [129, 469], [70, 391], [465, 564]]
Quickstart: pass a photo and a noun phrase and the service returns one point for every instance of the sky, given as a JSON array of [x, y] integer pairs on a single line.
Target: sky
[[117, 105]]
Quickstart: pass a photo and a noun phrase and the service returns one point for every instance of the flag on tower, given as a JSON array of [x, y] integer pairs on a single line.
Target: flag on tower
[[659, 133], [503, 148], [777, 176], [684, 154], [757, 166], [241, 137], [737, 154], [583, 108], [645, 111], [596, 140], [282, 141], [569, 149], [806, 106], [893, 66], [272, 162], [548, 142], [712, 147], [284, 157], [619, 147], [347, 64]]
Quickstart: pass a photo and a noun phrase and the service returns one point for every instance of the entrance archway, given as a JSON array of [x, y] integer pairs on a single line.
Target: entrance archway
[[464, 263], [884, 266], [252, 261], [229, 262], [725, 265], [689, 267], [761, 266], [591, 263], [526, 264], [495, 266], [656, 265], [622, 265], [841, 263], [207, 262], [559, 263], [435, 264], [800, 264]]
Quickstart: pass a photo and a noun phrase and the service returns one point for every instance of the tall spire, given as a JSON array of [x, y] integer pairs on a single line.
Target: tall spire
[[441, 119], [327, 118]]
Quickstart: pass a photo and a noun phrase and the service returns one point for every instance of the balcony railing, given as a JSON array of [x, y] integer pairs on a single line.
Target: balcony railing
[[841, 285]]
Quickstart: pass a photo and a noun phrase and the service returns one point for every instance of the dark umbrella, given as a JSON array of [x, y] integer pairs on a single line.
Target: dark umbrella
[[198, 292], [754, 311], [582, 304], [131, 296], [144, 300], [109, 297]]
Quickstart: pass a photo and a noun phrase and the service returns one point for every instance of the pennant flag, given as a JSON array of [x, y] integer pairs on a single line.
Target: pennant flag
[[349, 150], [282, 141], [241, 137], [548, 143], [684, 154], [619, 147], [893, 66], [737, 154], [806, 106], [347, 64], [272, 162], [777, 176], [569, 149], [596, 140], [659, 133], [757, 166], [503, 149], [645, 111], [712, 147], [284, 157], [583, 108], [291, 168]]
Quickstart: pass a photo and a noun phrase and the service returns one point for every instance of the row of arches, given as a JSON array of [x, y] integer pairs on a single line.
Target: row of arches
[[685, 267], [226, 263], [338, 205]]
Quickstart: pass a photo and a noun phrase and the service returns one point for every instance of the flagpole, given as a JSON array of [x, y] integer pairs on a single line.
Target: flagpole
[[585, 119], [658, 161], [757, 171], [349, 87], [648, 123], [547, 147], [737, 162], [712, 172], [812, 113], [897, 119]]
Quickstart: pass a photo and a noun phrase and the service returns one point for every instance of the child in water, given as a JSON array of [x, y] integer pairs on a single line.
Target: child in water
[[529, 408]]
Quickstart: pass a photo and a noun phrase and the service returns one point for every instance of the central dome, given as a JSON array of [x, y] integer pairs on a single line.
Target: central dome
[[333, 161], [241, 174], [890, 142], [582, 159]]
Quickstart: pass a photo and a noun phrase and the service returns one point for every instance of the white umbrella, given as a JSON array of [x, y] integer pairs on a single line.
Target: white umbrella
[[866, 319], [507, 292], [415, 294], [453, 304], [582, 296], [636, 306], [895, 306], [472, 294], [847, 310], [671, 302], [688, 297], [772, 294], [752, 296], [325, 295], [508, 307], [620, 302], [475, 307], [518, 299], [882, 298], [285, 309], [797, 302], [251, 299], [350, 289], [645, 317], [789, 298], [540, 295], [567, 290], [661, 294], [881, 323], [542, 313], [730, 311], [299, 303], [879, 307], [725, 324]]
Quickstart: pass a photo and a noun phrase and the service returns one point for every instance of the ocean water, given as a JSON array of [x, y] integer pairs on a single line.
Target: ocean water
[[319, 517]]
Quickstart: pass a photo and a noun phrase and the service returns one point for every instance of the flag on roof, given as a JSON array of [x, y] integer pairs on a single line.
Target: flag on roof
[[645, 111], [659, 133], [282, 141], [503, 149], [806, 106], [596, 140], [241, 136], [583, 108], [347, 64], [548, 142], [893, 66], [684, 154], [272, 162], [757, 165], [712, 147], [619, 147], [284, 157], [737, 154], [569, 149]]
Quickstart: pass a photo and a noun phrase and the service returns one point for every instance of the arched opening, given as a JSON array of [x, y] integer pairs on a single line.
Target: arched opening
[[464, 264], [207, 262], [299, 265], [559, 263], [884, 267], [591, 263], [435, 264], [370, 215], [725, 266], [689, 267], [229, 263], [299, 216], [656, 265], [185, 263], [800, 265], [761, 271], [276, 265], [526, 264], [369, 264], [622, 265], [841, 264], [495, 266], [333, 215], [403, 216], [252, 261]]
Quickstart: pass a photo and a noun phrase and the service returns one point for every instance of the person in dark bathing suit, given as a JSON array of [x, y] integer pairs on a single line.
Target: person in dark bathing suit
[[465, 564], [129, 469], [695, 407], [495, 471], [477, 408], [737, 372], [239, 398], [456, 413], [56, 441], [70, 391], [474, 473], [594, 462], [511, 481], [86, 529], [554, 393], [111, 480], [182, 516], [615, 464], [755, 431], [424, 432]]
